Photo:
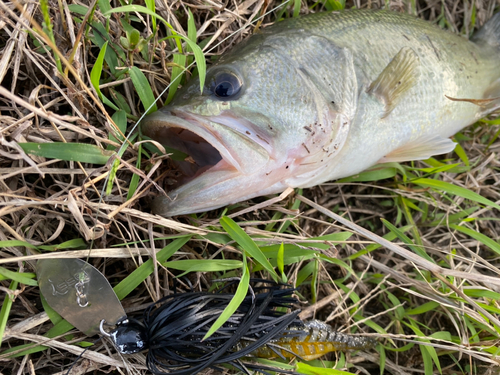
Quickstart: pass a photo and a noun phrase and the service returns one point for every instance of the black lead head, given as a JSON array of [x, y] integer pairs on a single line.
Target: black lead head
[[129, 336]]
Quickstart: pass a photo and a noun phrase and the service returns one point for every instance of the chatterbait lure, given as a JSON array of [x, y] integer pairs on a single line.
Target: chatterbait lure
[[264, 326]]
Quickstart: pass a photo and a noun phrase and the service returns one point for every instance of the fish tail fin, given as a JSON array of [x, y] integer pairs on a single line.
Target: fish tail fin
[[489, 33]]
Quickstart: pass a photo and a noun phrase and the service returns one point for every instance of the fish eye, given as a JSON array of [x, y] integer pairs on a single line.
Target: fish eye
[[226, 84]]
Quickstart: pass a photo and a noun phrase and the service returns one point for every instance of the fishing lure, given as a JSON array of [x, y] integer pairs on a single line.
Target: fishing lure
[[263, 326]]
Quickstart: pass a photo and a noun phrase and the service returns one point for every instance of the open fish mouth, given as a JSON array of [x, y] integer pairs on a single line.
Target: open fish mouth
[[220, 159]]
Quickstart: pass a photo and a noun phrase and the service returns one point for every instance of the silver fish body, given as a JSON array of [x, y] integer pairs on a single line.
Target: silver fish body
[[322, 97]]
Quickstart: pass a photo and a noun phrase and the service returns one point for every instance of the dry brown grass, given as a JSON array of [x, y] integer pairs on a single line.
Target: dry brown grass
[[48, 201]]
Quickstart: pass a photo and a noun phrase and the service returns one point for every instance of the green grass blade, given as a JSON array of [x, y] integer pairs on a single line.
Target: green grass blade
[[120, 101], [389, 237], [77, 243], [492, 309], [198, 53], [235, 302], [191, 29], [95, 76], [150, 4], [442, 218], [22, 278], [279, 259], [199, 58], [204, 265], [429, 354], [493, 245], [455, 190], [82, 152], [482, 293], [462, 154], [104, 5], [274, 364], [5, 311], [140, 274], [114, 55], [296, 8], [134, 182], [438, 167], [177, 70], [403, 237], [399, 312], [141, 85], [14, 243], [120, 119], [139, 9], [352, 295], [338, 262], [292, 254], [23, 275], [247, 244], [426, 307], [333, 237], [314, 281], [112, 175], [304, 368], [59, 329], [370, 323], [383, 357], [95, 73], [304, 273], [78, 9], [375, 173], [443, 335], [427, 358], [48, 30]]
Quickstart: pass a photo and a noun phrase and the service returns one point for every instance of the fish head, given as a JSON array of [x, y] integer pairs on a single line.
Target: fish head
[[255, 129]]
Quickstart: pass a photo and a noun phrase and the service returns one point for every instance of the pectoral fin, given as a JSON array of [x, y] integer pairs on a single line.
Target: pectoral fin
[[399, 76], [420, 149]]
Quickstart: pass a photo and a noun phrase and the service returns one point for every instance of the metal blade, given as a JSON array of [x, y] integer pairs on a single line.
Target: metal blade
[[79, 293]]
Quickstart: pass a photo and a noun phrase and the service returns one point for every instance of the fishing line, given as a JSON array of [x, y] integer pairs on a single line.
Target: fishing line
[[82, 353]]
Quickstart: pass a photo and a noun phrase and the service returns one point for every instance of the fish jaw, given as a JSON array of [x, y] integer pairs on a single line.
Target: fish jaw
[[213, 189], [231, 166]]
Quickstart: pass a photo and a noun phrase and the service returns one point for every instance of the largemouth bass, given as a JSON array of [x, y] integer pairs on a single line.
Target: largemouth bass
[[322, 97]]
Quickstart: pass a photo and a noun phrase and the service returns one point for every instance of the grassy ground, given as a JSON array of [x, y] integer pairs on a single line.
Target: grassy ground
[[421, 277]]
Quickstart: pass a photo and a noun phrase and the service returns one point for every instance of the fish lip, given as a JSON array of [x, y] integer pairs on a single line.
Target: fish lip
[[232, 123], [154, 124], [202, 129], [237, 162], [210, 130]]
